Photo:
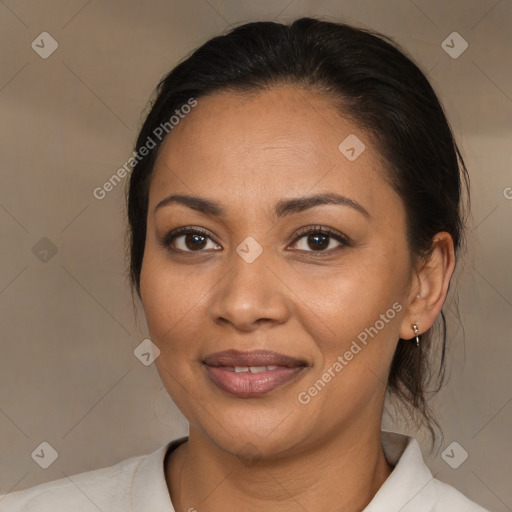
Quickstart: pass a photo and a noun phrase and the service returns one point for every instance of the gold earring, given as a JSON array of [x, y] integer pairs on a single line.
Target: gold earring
[[416, 331]]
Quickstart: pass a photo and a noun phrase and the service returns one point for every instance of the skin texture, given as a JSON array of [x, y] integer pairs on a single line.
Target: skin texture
[[273, 452]]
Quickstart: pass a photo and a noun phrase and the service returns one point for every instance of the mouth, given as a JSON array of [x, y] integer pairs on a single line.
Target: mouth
[[251, 374]]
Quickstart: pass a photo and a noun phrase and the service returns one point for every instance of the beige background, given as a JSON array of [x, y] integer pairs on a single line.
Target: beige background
[[68, 375]]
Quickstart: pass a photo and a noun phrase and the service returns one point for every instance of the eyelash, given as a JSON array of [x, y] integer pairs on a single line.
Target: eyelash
[[167, 240]]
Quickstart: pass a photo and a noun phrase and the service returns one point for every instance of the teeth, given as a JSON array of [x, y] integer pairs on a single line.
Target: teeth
[[255, 369]]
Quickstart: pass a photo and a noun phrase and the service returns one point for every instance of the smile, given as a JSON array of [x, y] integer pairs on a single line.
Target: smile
[[251, 374], [251, 381]]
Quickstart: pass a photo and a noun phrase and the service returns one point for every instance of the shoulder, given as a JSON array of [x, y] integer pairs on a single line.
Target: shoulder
[[101, 489], [447, 499], [411, 487]]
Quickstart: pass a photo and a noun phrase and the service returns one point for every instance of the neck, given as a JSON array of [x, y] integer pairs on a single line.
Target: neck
[[343, 473]]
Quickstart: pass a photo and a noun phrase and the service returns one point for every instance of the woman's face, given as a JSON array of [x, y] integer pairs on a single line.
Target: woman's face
[[253, 281]]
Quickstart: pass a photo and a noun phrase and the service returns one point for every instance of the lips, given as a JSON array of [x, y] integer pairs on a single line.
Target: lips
[[254, 358], [251, 374]]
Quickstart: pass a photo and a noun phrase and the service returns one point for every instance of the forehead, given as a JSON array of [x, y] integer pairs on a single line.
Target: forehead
[[281, 141], [283, 121]]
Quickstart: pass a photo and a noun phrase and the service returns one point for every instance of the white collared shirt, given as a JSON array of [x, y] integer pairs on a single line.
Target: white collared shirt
[[138, 484]]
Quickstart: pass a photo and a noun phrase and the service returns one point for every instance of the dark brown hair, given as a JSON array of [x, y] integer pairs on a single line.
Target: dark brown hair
[[377, 86]]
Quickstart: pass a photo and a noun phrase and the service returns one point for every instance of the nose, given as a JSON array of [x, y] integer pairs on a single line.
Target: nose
[[250, 294]]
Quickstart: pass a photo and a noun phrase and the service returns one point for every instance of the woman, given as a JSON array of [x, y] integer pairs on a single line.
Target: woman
[[294, 212]]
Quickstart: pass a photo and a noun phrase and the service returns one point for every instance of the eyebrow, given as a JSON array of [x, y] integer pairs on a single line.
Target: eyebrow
[[282, 208]]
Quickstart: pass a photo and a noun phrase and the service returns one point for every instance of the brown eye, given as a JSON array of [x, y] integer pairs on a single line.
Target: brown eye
[[187, 240], [320, 239], [194, 241]]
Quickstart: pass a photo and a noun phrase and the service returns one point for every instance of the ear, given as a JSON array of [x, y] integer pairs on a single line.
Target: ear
[[429, 287]]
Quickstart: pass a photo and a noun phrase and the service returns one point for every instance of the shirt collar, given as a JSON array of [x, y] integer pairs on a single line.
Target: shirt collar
[[150, 490], [409, 478]]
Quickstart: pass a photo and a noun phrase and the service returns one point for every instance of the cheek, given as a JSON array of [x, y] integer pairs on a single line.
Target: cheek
[[363, 308], [162, 298], [363, 313], [173, 302], [154, 287], [353, 298]]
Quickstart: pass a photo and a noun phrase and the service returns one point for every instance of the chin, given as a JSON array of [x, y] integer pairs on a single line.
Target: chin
[[250, 432]]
